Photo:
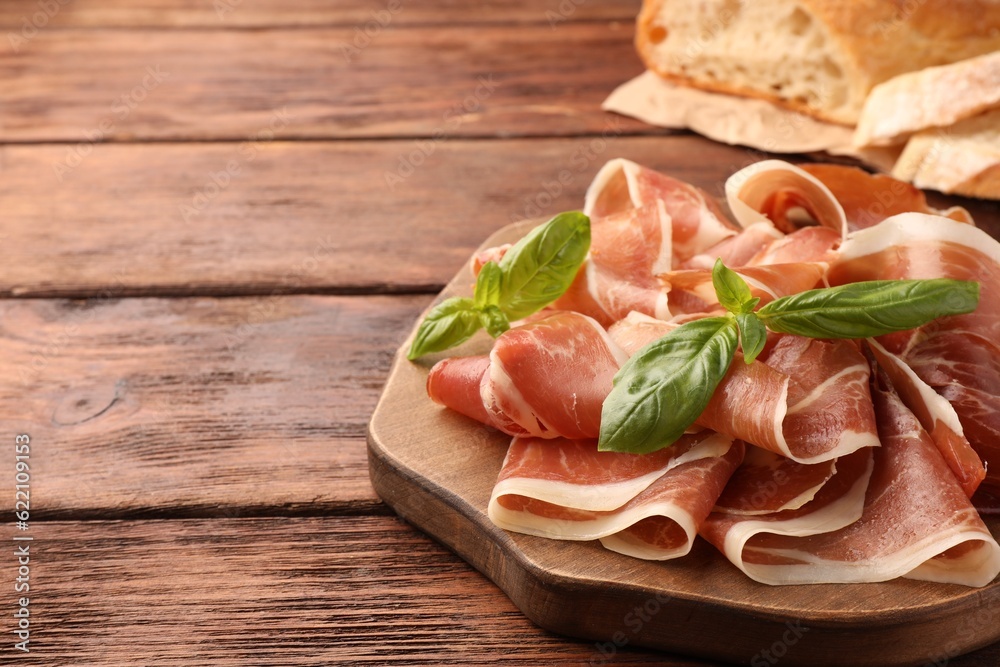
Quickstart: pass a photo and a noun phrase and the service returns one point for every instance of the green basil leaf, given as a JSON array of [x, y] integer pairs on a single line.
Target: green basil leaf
[[451, 322], [753, 335], [487, 292], [542, 265], [494, 320], [665, 386], [874, 308], [732, 291]]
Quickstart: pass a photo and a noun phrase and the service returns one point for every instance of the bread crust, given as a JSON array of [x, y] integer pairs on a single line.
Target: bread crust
[[875, 40], [933, 97], [963, 159]]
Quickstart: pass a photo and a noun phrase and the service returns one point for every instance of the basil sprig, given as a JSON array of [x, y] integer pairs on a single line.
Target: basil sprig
[[667, 384], [874, 308], [533, 273]]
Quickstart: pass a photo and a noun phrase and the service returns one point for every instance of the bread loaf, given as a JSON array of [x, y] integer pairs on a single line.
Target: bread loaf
[[820, 57]]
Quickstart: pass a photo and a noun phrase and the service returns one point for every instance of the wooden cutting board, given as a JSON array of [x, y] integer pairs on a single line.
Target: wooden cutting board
[[436, 469]]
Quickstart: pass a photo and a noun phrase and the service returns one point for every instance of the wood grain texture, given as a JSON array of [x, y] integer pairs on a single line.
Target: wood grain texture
[[437, 469], [281, 13], [197, 407], [303, 217], [433, 81], [306, 591]]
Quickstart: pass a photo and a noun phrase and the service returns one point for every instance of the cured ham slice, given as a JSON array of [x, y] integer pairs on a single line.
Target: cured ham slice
[[642, 224], [958, 356], [838, 503], [696, 221], [738, 250], [775, 190], [808, 244], [767, 482], [916, 521], [627, 250], [547, 378], [868, 199], [692, 291], [567, 489], [937, 416], [810, 397]]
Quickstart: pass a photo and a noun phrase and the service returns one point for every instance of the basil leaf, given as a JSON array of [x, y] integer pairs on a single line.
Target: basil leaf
[[487, 292], [665, 386], [874, 308], [494, 320], [542, 265], [753, 335], [732, 291], [449, 323]]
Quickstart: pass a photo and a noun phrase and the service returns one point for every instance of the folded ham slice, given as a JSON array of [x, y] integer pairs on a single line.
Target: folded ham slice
[[738, 250], [642, 224], [767, 482], [547, 378], [649, 506], [692, 291], [936, 415], [810, 398], [868, 199], [696, 221], [628, 248], [842, 199], [777, 191], [915, 521], [958, 356]]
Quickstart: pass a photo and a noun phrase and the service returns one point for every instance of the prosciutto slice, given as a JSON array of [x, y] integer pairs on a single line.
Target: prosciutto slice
[[936, 415], [691, 291], [915, 521], [868, 199], [810, 398], [649, 506], [642, 224], [767, 482], [628, 248], [696, 221], [808, 244], [738, 250], [775, 190], [958, 356], [547, 378]]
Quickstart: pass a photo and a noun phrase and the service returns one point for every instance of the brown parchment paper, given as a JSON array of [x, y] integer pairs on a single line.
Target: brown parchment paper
[[736, 120]]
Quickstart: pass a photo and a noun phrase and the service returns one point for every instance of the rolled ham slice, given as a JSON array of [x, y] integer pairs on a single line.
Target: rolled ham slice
[[567, 489], [776, 190]]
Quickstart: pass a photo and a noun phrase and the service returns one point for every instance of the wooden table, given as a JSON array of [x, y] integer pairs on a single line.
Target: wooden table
[[220, 219]]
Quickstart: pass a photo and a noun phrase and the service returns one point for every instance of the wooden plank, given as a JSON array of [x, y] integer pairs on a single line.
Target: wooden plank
[[432, 81], [16, 17], [197, 407], [438, 469], [152, 219], [307, 591]]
